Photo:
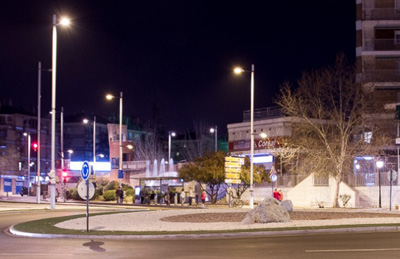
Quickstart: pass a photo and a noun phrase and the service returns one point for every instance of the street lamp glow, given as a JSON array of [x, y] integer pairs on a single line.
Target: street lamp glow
[[70, 151], [86, 121], [263, 135], [173, 134], [379, 164], [101, 155], [109, 96], [65, 21], [129, 146], [212, 130], [238, 70]]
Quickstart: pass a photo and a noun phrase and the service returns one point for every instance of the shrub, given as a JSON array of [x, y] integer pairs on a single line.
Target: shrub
[[113, 185], [109, 195], [73, 194], [129, 192]]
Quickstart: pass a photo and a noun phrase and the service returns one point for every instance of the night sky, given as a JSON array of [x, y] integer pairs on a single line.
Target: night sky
[[173, 60]]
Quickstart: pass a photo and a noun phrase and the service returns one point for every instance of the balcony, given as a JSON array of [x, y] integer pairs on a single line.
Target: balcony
[[382, 75], [264, 113], [381, 14], [382, 45]]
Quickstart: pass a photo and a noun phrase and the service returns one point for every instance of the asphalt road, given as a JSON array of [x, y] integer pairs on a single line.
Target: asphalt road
[[365, 245]]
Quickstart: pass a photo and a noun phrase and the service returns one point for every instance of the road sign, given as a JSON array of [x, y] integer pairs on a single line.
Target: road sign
[[235, 181], [82, 190], [232, 164], [232, 170], [232, 176], [273, 178], [120, 174], [234, 159], [85, 171], [392, 175]]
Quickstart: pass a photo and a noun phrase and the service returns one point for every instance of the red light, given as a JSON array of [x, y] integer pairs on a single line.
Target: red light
[[35, 146], [64, 174]]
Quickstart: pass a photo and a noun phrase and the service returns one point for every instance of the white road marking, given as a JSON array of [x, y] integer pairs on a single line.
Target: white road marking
[[352, 250]]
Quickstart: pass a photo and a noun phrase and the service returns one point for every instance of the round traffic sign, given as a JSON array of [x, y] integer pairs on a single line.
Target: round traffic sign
[[85, 171], [274, 178], [82, 190]]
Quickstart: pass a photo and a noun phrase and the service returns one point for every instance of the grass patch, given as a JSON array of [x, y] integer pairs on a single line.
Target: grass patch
[[47, 226]]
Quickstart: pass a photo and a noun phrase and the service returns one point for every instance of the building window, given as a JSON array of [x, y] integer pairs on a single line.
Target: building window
[[397, 6]]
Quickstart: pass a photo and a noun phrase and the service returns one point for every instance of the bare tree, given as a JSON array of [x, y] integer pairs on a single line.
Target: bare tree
[[149, 146], [328, 108], [199, 144]]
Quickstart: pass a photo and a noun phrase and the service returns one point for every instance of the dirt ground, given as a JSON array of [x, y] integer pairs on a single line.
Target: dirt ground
[[295, 215]]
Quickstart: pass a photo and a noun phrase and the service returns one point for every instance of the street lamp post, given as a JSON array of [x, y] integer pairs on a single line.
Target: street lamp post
[[63, 21], [94, 141], [29, 154], [379, 164], [215, 131], [110, 97], [170, 134], [239, 70]]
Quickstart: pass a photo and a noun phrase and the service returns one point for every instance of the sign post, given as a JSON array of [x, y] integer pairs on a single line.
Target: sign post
[[392, 175], [233, 167], [85, 172]]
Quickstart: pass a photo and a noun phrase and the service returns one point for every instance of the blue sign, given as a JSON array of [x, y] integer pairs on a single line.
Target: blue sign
[[85, 171], [120, 174], [7, 185]]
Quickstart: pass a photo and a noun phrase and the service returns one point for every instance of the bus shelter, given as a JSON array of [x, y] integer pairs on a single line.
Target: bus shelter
[[159, 190]]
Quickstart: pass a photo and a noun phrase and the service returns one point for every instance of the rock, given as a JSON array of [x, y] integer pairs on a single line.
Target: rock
[[287, 205], [268, 211]]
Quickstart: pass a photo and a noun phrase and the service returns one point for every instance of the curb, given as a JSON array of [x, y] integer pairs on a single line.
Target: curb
[[213, 235]]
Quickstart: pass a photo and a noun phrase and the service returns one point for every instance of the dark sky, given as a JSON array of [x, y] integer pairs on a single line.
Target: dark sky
[[172, 59]]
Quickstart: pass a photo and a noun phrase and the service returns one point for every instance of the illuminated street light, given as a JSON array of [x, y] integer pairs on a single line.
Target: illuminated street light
[[53, 109], [263, 135], [86, 121], [239, 70], [170, 134], [110, 97], [215, 131]]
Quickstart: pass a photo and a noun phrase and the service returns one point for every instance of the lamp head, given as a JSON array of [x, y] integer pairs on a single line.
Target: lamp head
[[109, 96], [129, 146], [379, 164], [173, 134], [65, 21], [263, 135], [238, 70], [70, 151], [86, 121], [212, 130]]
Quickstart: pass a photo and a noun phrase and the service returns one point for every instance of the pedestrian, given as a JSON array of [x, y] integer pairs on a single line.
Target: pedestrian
[[276, 194], [203, 198], [280, 197], [183, 196], [190, 196], [141, 196], [118, 194], [166, 198]]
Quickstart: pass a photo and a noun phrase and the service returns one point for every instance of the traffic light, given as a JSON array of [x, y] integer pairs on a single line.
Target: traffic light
[[35, 146], [65, 176]]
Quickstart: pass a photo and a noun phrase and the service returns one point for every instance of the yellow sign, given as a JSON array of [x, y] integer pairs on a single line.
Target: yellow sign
[[232, 170], [232, 164], [232, 176], [235, 181], [234, 159]]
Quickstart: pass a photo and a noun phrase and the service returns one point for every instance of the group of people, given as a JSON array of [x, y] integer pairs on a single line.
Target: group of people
[[278, 194], [191, 196]]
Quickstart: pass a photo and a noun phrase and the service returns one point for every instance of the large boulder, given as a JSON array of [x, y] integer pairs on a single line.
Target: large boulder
[[287, 205], [268, 211]]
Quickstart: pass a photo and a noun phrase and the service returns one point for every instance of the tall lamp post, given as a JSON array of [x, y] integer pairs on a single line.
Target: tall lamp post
[[170, 134], [110, 97], [215, 131], [379, 164], [29, 154], [63, 21], [239, 70], [94, 140]]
